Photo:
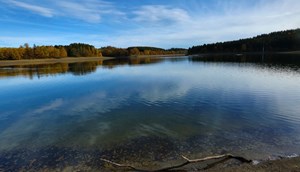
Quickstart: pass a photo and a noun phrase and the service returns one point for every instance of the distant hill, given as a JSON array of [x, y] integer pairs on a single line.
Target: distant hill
[[282, 41]]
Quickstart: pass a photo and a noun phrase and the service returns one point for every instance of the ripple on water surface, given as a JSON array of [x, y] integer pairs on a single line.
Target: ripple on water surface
[[149, 113]]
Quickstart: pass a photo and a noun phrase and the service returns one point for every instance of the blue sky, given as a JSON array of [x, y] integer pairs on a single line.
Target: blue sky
[[123, 23]]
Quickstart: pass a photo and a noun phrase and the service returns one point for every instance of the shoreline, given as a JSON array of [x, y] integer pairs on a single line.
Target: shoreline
[[158, 56], [56, 158], [246, 53], [229, 165], [6, 63], [283, 164]]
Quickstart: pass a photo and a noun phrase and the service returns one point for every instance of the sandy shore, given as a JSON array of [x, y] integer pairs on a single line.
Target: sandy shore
[[279, 165], [4, 63], [282, 165]]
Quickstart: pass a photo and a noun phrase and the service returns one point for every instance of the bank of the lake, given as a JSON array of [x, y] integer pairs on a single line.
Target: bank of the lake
[[158, 56], [291, 58], [280, 165], [4, 63], [246, 53]]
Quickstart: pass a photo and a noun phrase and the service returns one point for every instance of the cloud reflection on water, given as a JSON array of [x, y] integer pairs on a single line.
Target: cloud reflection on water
[[176, 100]]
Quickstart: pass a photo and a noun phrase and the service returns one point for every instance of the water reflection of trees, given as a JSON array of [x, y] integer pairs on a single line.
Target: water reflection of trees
[[287, 61], [84, 68], [38, 71], [130, 61], [80, 68], [34, 70], [146, 60]]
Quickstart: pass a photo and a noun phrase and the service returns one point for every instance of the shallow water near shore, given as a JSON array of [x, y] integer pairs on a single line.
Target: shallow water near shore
[[146, 110]]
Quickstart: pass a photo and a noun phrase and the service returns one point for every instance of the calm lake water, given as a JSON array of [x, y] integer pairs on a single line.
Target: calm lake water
[[54, 116]]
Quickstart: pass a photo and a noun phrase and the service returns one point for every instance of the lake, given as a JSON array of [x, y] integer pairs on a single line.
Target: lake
[[146, 111]]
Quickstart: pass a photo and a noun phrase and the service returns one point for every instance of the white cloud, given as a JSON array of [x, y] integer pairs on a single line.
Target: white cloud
[[231, 22], [81, 11], [90, 11], [156, 13], [167, 26], [33, 8]]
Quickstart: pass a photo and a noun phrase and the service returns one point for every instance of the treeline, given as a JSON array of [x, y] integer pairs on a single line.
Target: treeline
[[288, 40], [81, 50], [42, 52], [110, 51]]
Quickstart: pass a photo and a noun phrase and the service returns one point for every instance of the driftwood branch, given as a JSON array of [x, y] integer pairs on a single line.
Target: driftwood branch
[[224, 158], [122, 165]]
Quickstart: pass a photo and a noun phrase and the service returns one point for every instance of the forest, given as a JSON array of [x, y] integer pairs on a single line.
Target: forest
[[43, 52], [80, 50], [283, 41], [110, 51]]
